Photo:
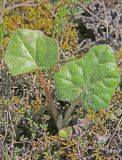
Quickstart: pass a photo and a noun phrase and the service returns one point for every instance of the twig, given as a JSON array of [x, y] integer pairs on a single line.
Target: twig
[[63, 54], [4, 3], [78, 144], [20, 5], [114, 29], [34, 80], [105, 18], [25, 4], [79, 46], [116, 129], [12, 126], [53, 14], [6, 130], [92, 43]]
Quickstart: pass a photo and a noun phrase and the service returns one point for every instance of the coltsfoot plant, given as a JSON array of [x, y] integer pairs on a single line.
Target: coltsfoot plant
[[90, 80]]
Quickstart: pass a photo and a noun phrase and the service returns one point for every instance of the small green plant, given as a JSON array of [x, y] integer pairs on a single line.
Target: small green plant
[[60, 20], [90, 81]]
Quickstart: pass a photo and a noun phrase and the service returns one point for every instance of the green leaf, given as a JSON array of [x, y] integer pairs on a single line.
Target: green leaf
[[29, 50], [93, 78]]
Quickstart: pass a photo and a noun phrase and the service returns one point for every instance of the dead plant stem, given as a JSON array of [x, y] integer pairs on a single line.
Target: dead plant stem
[[89, 45], [24, 4], [106, 19]]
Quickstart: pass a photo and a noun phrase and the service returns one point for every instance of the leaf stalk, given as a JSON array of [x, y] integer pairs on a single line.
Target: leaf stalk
[[49, 98]]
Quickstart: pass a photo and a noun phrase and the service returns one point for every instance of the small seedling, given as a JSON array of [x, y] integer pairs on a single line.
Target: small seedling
[[90, 80], [65, 132]]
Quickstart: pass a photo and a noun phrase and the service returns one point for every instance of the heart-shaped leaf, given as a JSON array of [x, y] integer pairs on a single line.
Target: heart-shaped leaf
[[29, 50], [93, 78]]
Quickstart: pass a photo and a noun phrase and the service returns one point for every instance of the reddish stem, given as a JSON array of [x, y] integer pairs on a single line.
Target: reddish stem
[[49, 98]]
